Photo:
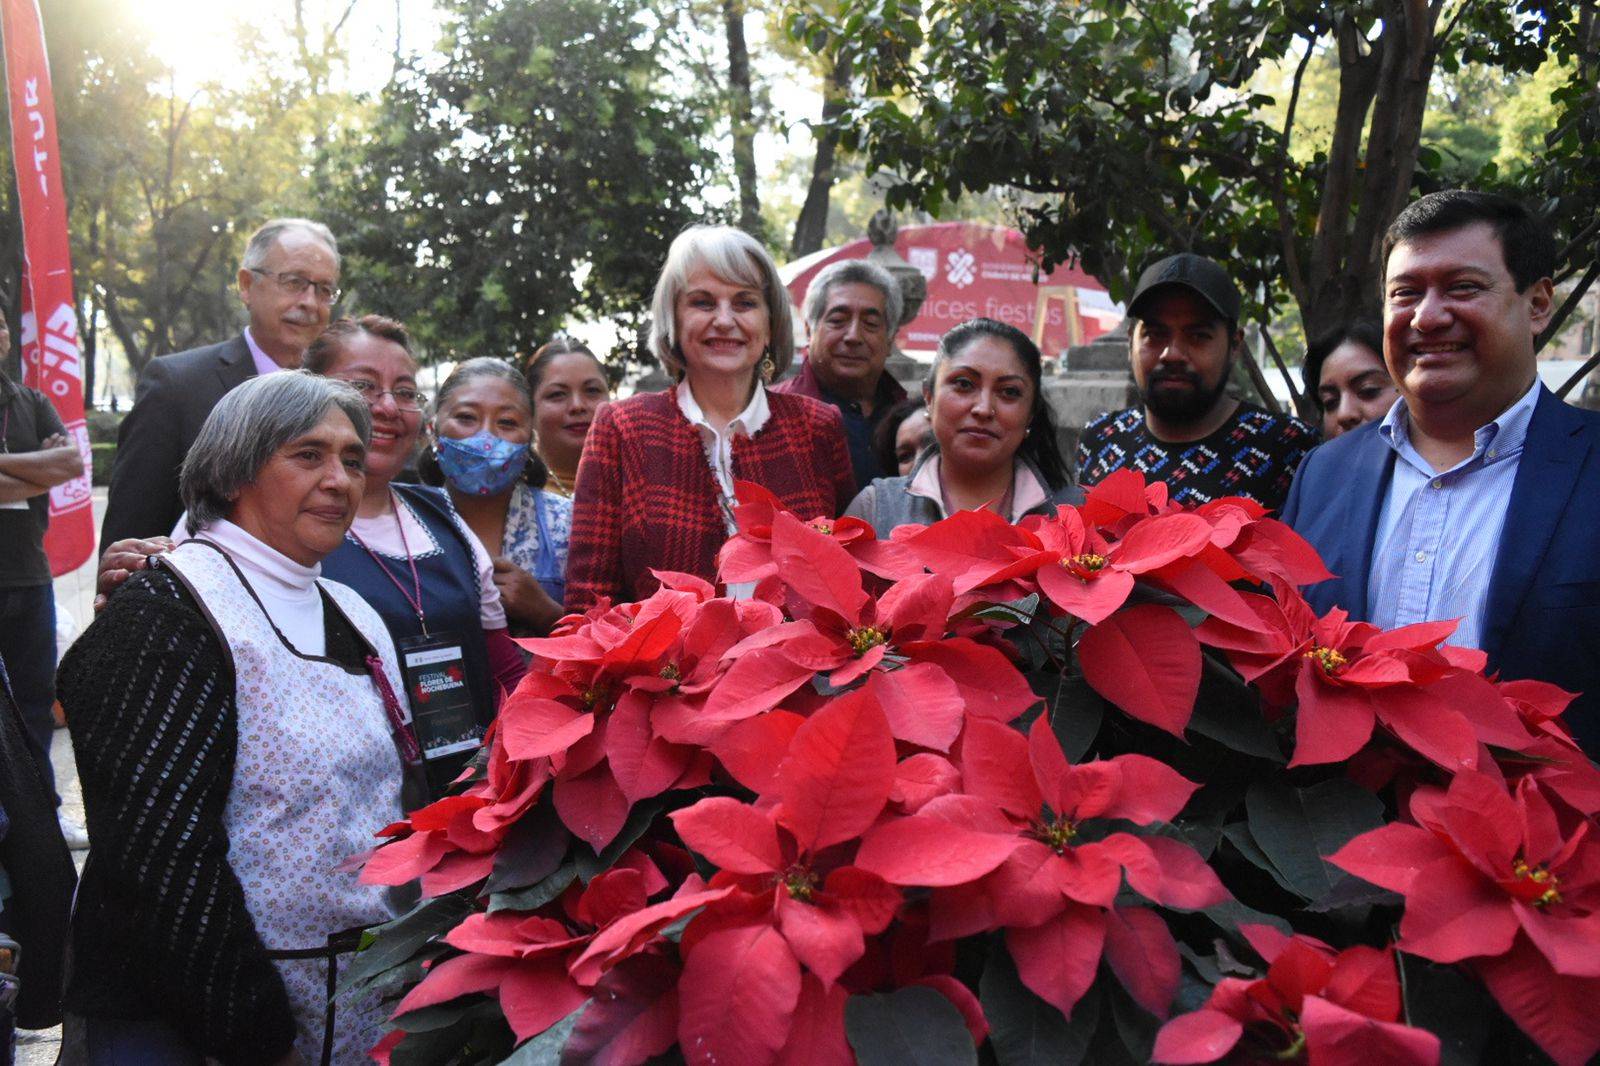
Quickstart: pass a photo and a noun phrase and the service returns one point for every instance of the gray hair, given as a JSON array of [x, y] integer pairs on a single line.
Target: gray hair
[[854, 272], [737, 258], [262, 240], [249, 425]]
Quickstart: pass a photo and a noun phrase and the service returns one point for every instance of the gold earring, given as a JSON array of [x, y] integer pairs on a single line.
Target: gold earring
[[768, 368]]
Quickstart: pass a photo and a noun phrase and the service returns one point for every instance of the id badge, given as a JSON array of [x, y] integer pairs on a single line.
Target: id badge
[[442, 713]]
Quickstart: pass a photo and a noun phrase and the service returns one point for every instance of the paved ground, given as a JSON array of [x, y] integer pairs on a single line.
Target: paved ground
[[75, 605]]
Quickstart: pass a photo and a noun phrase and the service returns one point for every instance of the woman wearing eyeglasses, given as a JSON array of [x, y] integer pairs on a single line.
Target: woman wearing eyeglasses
[[408, 552]]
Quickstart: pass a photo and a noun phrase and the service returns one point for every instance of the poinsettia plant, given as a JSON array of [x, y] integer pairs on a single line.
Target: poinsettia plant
[[1095, 787]]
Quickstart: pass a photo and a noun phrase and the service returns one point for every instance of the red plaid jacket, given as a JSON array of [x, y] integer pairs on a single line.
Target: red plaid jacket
[[646, 499]]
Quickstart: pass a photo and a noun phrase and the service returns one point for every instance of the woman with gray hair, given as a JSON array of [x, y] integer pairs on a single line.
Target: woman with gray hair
[[657, 484], [238, 737]]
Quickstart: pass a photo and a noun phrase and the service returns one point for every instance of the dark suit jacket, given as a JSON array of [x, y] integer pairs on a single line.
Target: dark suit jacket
[[1542, 619], [175, 394], [35, 857]]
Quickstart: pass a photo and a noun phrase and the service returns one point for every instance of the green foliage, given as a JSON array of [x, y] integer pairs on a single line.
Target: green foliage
[[535, 170], [1143, 129], [1024, 1030], [915, 1024]]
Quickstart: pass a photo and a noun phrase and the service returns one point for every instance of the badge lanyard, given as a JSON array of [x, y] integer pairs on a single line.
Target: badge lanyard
[[414, 598], [442, 715]]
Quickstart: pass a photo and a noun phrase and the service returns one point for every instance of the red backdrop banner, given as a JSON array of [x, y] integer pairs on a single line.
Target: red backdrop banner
[[976, 269], [51, 359]]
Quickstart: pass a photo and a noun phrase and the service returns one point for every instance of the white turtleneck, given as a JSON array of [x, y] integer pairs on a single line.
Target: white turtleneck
[[286, 589]]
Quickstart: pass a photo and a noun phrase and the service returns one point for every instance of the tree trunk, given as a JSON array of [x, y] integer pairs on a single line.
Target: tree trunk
[[1363, 192], [811, 228], [742, 111], [1394, 139], [1328, 279], [138, 354]]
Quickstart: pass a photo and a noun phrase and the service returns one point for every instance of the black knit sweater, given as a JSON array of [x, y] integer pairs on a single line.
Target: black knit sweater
[[160, 928]]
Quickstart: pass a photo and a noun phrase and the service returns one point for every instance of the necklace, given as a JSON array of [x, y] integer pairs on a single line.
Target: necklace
[[562, 487]]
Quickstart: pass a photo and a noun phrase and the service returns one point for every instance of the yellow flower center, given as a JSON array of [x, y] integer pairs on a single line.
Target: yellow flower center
[[1059, 834], [593, 697], [800, 883], [1540, 879], [1330, 660], [1084, 566], [822, 527], [670, 672], [864, 638]]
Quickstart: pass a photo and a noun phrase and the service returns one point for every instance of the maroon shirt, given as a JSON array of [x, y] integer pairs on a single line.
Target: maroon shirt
[[859, 427]]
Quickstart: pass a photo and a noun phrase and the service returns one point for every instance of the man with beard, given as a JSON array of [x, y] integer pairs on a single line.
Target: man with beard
[[1187, 430], [288, 283]]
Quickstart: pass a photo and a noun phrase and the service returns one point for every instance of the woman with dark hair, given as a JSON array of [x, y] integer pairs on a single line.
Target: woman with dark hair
[[238, 735], [1345, 373], [656, 489], [995, 440], [482, 431], [408, 552], [904, 433], [568, 384]]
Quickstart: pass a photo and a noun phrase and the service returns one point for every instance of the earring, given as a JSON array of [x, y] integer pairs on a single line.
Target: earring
[[768, 368]]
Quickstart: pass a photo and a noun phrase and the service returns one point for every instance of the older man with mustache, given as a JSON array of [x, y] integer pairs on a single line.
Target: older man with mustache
[[288, 283], [1187, 430]]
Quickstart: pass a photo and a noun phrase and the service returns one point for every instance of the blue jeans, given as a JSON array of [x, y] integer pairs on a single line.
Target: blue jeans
[[28, 650]]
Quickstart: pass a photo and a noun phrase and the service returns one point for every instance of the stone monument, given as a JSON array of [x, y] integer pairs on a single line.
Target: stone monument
[[1089, 378]]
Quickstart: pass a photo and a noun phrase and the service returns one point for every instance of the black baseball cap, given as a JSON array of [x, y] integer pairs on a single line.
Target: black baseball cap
[[1204, 277]]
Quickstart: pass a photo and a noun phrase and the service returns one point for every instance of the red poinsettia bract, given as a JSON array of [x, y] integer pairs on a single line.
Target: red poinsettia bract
[[1348, 677], [1314, 1005], [526, 960], [1502, 881], [925, 682], [452, 842], [798, 914], [1014, 852]]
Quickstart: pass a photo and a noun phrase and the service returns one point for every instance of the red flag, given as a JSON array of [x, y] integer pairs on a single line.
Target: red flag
[[51, 359]]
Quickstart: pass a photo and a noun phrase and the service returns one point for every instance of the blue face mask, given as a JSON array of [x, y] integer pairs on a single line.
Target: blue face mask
[[482, 464]]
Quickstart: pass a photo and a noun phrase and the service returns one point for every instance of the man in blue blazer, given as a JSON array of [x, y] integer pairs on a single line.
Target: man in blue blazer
[[1478, 496]]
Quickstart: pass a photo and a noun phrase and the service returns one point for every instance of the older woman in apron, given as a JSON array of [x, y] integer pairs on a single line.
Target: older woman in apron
[[238, 735]]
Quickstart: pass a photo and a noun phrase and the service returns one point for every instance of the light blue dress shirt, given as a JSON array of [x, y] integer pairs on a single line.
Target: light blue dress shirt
[[1438, 533]]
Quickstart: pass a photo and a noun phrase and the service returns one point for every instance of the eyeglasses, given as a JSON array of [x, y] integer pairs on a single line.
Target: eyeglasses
[[295, 285], [405, 397]]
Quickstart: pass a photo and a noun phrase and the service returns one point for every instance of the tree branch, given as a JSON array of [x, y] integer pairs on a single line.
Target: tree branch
[[1280, 195], [1578, 375], [1584, 236], [1568, 306], [1302, 403], [1466, 5], [1259, 380]]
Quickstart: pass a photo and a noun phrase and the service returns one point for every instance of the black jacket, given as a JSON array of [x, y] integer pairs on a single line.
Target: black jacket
[[39, 866], [175, 394]]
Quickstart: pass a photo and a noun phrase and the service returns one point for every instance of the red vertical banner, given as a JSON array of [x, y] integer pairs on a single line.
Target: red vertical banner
[[51, 359]]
